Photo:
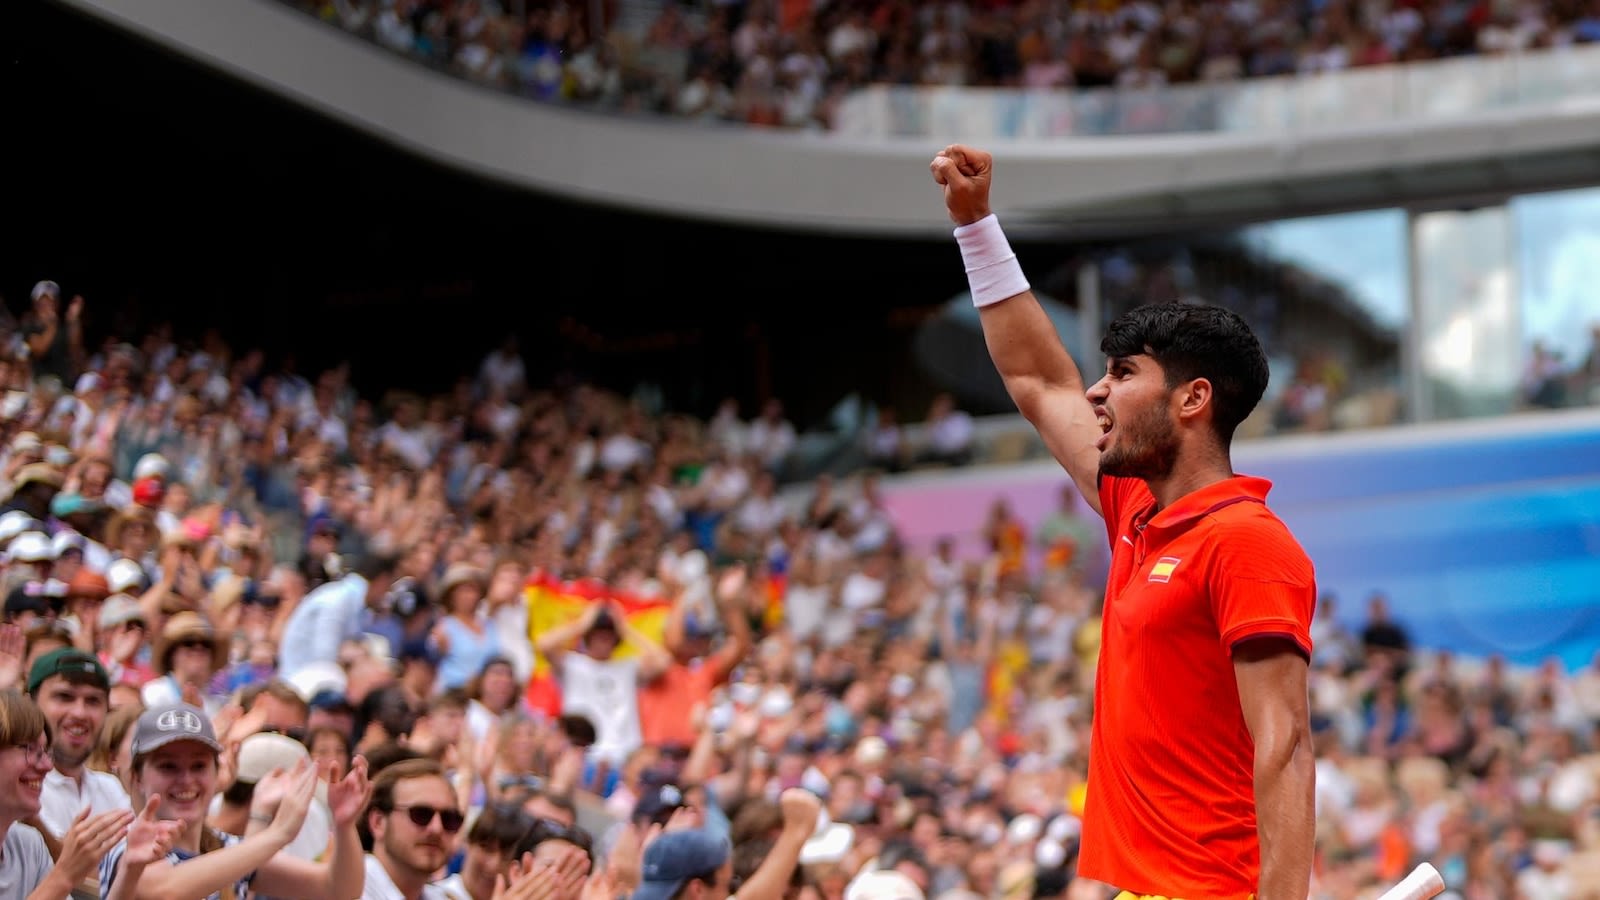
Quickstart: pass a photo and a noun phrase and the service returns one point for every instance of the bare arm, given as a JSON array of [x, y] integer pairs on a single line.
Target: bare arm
[[206, 873], [739, 640], [341, 876], [771, 880], [653, 658], [555, 643], [1038, 372], [1271, 675], [672, 634]]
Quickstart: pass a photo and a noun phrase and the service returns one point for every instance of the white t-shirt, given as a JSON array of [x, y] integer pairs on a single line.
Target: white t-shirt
[[63, 798], [607, 693], [454, 888], [24, 861], [380, 886]]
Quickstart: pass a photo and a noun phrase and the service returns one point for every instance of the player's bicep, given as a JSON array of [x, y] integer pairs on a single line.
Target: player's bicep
[[1065, 420], [1270, 671]]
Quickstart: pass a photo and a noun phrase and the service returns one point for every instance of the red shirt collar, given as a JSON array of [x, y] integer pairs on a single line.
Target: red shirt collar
[[1212, 497]]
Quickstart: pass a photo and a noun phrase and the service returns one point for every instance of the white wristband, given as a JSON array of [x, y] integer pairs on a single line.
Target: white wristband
[[993, 272]]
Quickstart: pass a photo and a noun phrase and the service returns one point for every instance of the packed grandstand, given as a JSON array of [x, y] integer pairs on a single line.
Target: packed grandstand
[[167, 494], [789, 63]]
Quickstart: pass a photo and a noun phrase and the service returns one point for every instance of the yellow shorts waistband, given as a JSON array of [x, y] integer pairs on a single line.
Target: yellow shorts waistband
[[1132, 895]]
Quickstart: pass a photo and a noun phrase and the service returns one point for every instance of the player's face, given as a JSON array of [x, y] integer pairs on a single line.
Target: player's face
[[1138, 436]]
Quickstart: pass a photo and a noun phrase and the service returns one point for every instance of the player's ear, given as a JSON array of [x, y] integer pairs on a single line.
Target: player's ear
[[1194, 398]]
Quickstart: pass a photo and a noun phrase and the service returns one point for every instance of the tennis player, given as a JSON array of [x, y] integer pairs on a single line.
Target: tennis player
[[1201, 777]]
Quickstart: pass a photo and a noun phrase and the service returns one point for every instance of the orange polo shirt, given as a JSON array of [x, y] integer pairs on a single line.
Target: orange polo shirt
[[1171, 795]]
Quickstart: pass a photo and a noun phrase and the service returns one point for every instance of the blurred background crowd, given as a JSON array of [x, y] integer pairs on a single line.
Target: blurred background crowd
[[352, 573], [787, 63]]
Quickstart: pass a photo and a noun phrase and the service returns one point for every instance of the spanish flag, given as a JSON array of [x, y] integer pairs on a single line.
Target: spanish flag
[[553, 603]]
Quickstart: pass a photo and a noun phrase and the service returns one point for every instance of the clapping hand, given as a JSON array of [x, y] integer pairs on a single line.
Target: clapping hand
[[12, 648], [149, 838], [296, 802], [89, 840], [530, 879], [348, 796]]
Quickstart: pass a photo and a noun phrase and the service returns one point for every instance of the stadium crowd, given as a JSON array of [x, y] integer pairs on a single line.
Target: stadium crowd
[[218, 572], [787, 63]]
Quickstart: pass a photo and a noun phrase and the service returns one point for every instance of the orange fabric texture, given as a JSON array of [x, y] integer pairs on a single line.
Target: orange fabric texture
[[1170, 809]]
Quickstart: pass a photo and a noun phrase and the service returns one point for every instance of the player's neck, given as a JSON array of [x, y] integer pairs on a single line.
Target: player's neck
[[1191, 473]]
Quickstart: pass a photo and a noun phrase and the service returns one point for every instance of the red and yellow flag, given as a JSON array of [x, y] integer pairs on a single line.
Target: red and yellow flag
[[553, 603]]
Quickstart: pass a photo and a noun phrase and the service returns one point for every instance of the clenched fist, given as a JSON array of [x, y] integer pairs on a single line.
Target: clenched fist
[[964, 172]]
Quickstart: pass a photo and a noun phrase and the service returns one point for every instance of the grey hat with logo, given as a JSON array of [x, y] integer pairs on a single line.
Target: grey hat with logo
[[163, 725]]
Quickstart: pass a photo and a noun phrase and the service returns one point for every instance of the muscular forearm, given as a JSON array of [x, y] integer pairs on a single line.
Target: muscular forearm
[[1026, 351], [1285, 784]]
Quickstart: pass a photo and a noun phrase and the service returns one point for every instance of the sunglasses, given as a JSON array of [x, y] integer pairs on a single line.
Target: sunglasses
[[422, 816]]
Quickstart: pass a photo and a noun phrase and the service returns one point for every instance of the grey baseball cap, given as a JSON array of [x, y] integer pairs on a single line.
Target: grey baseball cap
[[163, 725]]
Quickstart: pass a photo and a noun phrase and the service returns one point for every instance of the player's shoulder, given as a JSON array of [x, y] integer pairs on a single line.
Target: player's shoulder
[[1252, 529]]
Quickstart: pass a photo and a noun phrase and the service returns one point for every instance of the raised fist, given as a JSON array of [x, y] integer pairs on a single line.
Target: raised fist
[[965, 174]]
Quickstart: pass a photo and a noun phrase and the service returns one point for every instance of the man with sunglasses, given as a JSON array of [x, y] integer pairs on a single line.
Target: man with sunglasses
[[413, 821]]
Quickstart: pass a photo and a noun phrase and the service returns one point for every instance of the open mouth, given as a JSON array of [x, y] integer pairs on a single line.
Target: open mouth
[[32, 784], [185, 796], [1104, 421]]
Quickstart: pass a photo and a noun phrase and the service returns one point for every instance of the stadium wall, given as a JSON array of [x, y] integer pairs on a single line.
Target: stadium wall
[[1484, 535]]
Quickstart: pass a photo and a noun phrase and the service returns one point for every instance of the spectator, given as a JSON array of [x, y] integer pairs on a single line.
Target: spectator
[[950, 435], [600, 686], [73, 691]]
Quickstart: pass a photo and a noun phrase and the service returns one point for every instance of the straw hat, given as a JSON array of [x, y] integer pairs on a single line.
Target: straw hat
[[457, 575], [188, 626]]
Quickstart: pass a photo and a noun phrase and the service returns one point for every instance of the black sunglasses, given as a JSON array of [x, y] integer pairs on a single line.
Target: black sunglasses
[[421, 816]]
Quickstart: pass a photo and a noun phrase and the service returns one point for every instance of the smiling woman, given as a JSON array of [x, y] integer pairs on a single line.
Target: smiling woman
[[175, 775], [24, 761]]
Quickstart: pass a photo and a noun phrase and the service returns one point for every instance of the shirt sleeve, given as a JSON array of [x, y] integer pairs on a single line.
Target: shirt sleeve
[[1262, 584], [327, 632], [108, 868]]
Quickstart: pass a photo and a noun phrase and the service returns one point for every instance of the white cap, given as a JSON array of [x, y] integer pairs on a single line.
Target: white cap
[[314, 678], [151, 465], [829, 844], [817, 783], [30, 547], [743, 693], [883, 884], [720, 717], [124, 576], [901, 686], [871, 750], [87, 382], [1023, 829], [14, 523], [1063, 828], [1049, 855], [776, 703], [262, 752], [67, 540]]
